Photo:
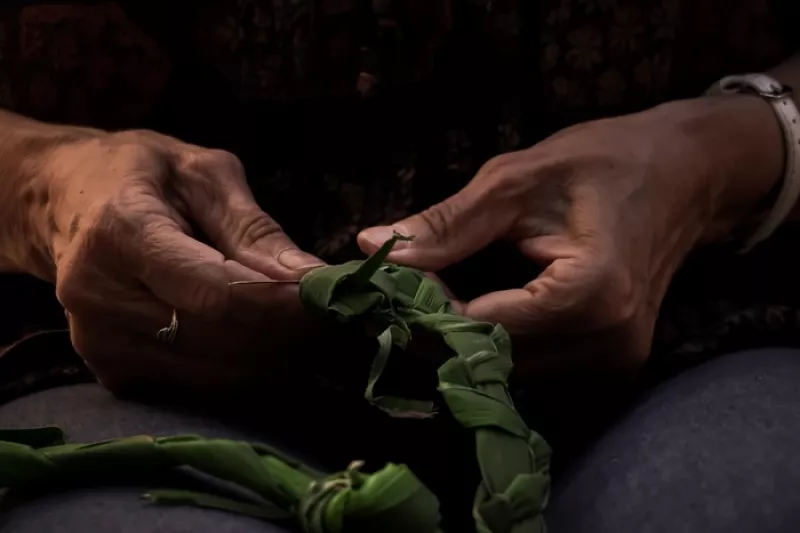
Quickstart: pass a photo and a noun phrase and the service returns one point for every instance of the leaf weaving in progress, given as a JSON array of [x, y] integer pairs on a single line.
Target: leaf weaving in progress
[[513, 460]]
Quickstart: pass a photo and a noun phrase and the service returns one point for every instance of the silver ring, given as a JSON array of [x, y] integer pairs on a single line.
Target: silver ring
[[167, 335]]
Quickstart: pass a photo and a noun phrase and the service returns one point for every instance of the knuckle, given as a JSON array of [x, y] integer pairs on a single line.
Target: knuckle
[[500, 166], [70, 292], [555, 169], [254, 227], [111, 226], [225, 160], [502, 180], [221, 163], [438, 220]]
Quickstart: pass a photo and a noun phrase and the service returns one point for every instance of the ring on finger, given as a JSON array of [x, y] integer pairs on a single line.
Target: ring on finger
[[167, 335]]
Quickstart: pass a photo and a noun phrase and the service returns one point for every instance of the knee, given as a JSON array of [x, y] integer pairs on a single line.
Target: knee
[[713, 450]]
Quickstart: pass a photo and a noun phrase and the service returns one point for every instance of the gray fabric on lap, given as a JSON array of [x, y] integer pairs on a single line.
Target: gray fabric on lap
[[87, 413], [713, 450]]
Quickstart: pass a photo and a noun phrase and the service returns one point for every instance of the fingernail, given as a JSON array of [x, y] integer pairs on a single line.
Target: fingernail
[[296, 260], [378, 235]]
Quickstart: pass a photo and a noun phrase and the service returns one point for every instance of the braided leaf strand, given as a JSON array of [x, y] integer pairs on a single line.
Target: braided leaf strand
[[513, 460]]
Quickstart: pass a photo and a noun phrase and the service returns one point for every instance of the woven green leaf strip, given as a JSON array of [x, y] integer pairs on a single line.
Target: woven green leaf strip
[[391, 500], [513, 460]]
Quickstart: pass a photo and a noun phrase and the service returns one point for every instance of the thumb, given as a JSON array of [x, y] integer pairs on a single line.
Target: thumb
[[251, 237], [222, 204], [445, 233]]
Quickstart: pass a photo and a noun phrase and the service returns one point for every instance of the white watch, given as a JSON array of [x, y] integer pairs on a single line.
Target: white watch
[[779, 97]]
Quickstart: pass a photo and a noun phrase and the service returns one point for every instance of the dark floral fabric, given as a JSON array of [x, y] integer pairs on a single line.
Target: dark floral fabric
[[349, 113]]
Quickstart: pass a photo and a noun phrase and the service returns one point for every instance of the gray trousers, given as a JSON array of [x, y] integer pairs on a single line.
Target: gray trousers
[[715, 449]]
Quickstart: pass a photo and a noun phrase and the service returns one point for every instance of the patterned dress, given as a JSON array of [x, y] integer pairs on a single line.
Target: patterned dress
[[349, 113]]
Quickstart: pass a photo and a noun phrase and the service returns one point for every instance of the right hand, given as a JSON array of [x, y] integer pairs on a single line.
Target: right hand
[[121, 208]]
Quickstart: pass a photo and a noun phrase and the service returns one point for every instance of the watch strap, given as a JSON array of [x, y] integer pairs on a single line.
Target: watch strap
[[779, 97]]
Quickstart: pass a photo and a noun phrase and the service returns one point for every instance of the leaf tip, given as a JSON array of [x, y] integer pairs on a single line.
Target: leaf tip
[[397, 236]]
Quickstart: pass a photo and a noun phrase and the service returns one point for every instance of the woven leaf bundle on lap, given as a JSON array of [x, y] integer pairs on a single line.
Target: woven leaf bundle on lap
[[513, 460]]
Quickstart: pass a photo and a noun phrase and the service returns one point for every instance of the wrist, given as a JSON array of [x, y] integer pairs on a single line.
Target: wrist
[[738, 144], [25, 192]]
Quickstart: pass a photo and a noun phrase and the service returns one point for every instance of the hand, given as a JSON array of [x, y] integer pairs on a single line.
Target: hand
[[122, 208], [610, 209]]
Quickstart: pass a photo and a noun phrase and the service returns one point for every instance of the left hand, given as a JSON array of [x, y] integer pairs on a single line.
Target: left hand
[[610, 208]]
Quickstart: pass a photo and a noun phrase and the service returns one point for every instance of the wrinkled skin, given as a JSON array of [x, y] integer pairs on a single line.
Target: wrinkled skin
[[609, 209], [123, 208]]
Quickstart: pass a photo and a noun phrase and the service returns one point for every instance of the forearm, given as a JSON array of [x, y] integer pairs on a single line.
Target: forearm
[[24, 191]]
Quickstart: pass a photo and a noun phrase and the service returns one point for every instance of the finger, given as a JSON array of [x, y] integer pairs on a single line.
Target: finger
[[559, 299], [130, 365], [446, 233], [104, 332], [181, 272], [117, 306], [205, 358], [163, 269], [85, 289], [549, 341], [515, 309], [216, 193], [190, 278]]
